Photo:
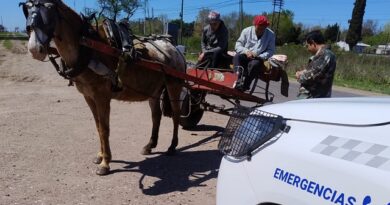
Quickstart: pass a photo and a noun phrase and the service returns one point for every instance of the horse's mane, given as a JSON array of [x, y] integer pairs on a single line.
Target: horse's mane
[[66, 10]]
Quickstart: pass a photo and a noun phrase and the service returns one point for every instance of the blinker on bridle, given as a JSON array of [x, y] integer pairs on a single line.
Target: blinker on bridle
[[40, 17]]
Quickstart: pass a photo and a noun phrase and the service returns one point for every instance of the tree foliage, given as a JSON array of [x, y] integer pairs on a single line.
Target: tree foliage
[[355, 24], [381, 38], [369, 28], [113, 8], [188, 28], [331, 33], [286, 31], [200, 21]]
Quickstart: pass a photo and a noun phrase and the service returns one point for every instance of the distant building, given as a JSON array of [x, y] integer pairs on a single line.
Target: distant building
[[173, 30], [383, 49], [360, 47], [343, 45]]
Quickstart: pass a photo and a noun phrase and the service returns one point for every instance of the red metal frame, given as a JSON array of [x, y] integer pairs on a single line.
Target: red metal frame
[[213, 81]]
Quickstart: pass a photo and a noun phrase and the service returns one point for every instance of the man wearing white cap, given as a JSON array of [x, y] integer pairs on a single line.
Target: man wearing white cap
[[214, 41]]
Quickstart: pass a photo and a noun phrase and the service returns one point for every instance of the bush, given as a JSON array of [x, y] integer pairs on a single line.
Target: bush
[[192, 44]]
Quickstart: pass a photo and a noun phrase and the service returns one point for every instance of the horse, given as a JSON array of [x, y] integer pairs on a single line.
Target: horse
[[53, 21]]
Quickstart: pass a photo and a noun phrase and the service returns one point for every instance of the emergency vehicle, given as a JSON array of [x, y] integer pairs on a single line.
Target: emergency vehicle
[[306, 152]]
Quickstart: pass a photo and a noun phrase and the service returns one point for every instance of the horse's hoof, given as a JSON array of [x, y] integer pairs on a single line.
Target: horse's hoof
[[101, 171], [171, 152], [146, 151], [97, 160]]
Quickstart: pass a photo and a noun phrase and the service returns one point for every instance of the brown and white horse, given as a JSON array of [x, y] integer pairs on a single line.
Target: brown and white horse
[[53, 21]]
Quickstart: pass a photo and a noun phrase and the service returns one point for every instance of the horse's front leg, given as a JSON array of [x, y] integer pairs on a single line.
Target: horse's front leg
[[101, 112], [155, 108], [91, 103]]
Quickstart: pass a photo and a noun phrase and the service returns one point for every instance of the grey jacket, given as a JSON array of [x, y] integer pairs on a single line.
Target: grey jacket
[[263, 48]]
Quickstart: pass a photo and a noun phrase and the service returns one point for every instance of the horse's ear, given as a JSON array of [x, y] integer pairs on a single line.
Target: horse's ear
[[88, 18], [24, 7], [92, 16]]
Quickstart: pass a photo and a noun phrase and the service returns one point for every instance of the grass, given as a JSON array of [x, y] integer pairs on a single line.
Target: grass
[[361, 71], [13, 36], [7, 44]]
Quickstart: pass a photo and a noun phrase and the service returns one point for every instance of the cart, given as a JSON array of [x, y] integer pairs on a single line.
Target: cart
[[199, 82]]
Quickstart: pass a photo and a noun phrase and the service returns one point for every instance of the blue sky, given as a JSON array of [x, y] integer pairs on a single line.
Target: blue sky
[[308, 12]]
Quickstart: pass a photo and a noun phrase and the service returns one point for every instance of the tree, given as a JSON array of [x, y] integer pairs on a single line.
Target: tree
[[369, 28], [113, 8], [331, 33], [110, 7], [287, 32], [381, 38], [200, 21], [354, 34], [188, 28], [129, 7], [2, 28]]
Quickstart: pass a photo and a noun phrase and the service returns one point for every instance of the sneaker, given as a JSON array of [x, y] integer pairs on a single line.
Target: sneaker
[[237, 85], [234, 84]]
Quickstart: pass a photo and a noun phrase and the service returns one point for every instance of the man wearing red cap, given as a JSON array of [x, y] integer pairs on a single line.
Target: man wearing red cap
[[255, 45]]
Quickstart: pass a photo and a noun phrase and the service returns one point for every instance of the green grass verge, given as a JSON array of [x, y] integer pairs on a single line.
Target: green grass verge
[[364, 72], [7, 44], [362, 85]]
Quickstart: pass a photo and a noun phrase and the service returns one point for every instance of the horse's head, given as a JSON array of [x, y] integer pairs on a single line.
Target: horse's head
[[41, 18]]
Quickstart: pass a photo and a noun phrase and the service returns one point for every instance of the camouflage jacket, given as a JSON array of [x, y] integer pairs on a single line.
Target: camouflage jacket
[[317, 78]]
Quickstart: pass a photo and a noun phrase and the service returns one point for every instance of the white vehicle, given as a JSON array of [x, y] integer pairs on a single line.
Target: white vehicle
[[308, 152]]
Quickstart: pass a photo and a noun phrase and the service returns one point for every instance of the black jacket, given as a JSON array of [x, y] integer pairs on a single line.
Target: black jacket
[[212, 42]]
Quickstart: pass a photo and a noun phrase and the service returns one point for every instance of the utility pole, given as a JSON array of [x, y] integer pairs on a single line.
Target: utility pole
[[145, 5], [275, 22], [152, 22], [241, 11], [181, 23]]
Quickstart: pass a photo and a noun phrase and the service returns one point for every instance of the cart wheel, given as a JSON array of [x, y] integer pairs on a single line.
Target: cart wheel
[[190, 120], [193, 119]]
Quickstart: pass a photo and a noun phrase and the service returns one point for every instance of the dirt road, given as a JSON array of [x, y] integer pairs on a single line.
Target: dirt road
[[48, 141]]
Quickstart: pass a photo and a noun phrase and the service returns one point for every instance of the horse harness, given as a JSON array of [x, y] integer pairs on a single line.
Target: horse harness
[[39, 14]]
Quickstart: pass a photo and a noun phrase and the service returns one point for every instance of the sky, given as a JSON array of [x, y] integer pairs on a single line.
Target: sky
[[308, 12]]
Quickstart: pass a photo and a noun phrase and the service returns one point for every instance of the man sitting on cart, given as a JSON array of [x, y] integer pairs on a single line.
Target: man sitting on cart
[[253, 48], [214, 42]]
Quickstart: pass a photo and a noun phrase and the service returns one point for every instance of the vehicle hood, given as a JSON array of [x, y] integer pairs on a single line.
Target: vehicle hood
[[352, 110]]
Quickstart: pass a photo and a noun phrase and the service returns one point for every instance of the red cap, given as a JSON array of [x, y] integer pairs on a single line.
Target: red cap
[[260, 20]]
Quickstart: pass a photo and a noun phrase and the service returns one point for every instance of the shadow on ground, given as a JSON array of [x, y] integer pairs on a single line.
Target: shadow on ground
[[185, 170]]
